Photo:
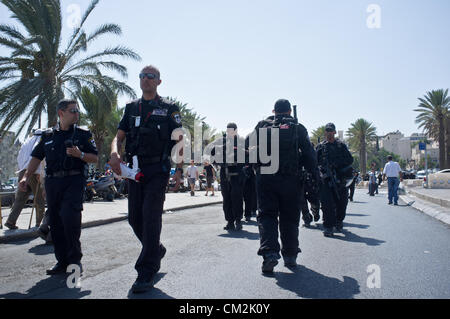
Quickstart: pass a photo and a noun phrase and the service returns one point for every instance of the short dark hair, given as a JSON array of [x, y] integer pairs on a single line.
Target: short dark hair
[[63, 104], [282, 106], [232, 125], [390, 158]]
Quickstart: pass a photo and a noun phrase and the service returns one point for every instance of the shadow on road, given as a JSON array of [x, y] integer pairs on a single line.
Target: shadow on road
[[307, 283], [241, 234], [18, 242], [349, 236], [42, 250], [356, 225], [357, 215], [154, 293], [48, 287]]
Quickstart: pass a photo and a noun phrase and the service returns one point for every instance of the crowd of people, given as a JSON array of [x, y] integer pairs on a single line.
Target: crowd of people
[[321, 175]]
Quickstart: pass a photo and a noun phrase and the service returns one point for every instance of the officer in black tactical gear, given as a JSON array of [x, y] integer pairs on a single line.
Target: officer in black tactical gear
[[147, 127], [335, 162], [67, 150], [250, 199], [229, 153], [311, 195], [279, 188]]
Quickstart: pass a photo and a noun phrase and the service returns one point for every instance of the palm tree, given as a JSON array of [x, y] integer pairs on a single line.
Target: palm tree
[[39, 71], [99, 107], [434, 111], [318, 135], [360, 134]]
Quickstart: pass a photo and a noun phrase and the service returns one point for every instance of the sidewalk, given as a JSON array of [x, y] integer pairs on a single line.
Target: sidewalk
[[433, 202], [102, 212]]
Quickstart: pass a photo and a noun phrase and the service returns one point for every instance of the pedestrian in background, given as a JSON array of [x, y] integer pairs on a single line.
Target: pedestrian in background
[[192, 173], [210, 174], [34, 186], [372, 182], [392, 172]]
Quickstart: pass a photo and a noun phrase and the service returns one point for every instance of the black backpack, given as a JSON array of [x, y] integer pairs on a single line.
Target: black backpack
[[288, 144]]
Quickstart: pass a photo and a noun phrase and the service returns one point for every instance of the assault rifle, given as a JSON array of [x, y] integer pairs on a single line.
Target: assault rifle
[[329, 175]]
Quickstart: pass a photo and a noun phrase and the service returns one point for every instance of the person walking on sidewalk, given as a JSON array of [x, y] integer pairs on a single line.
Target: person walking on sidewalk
[[392, 172], [148, 126], [192, 173], [210, 174], [34, 186], [372, 182]]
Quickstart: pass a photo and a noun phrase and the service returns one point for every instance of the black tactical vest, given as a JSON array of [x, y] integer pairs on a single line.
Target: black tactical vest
[[149, 138], [288, 144]]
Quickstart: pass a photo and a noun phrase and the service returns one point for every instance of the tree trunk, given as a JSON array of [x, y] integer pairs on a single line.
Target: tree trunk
[[362, 157], [447, 142], [442, 149]]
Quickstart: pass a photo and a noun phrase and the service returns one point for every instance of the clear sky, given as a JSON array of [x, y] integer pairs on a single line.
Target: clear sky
[[231, 60]]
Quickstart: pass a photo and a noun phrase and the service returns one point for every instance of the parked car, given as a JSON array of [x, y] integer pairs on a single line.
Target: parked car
[[421, 175], [440, 179]]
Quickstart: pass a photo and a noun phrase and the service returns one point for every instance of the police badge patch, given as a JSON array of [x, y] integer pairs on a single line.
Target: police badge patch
[[92, 141], [177, 117]]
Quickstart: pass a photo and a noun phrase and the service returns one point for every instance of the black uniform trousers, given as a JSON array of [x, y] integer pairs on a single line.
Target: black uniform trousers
[[232, 192], [314, 201], [333, 210], [279, 206], [145, 208], [250, 199], [65, 203], [352, 190]]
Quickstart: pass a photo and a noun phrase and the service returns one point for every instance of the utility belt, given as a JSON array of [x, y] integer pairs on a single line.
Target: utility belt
[[61, 174]]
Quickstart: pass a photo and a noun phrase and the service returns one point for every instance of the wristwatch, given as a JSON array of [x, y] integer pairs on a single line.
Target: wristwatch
[[82, 155]]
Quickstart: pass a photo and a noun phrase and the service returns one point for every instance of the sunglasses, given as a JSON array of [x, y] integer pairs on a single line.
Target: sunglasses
[[149, 76], [73, 111]]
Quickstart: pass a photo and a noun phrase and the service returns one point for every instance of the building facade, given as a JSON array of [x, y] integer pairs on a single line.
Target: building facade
[[407, 147]]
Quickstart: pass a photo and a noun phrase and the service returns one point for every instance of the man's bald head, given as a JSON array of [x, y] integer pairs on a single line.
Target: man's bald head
[[151, 69]]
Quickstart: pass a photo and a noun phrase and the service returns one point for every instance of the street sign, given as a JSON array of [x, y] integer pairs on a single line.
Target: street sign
[[422, 146]]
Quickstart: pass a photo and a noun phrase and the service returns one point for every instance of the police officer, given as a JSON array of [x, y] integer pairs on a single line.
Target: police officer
[[335, 162], [250, 199], [147, 127], [278, 192], [67, 150], [229, 153], [311, 195]]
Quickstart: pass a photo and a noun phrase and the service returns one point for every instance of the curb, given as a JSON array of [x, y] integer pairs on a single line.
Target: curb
[[430, 209], [435, 200], [32, 234]]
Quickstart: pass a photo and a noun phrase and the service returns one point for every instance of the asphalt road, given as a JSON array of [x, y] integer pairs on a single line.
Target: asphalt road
[[384, 252]]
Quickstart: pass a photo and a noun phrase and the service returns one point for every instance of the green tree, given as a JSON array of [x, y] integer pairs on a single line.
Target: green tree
[[433, 114], [101, 110], [360, 134], [189, 117], [40, 71], [318, 134]]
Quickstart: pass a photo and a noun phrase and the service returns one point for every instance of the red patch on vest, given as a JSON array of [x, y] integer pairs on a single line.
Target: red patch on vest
[[284, 127]]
